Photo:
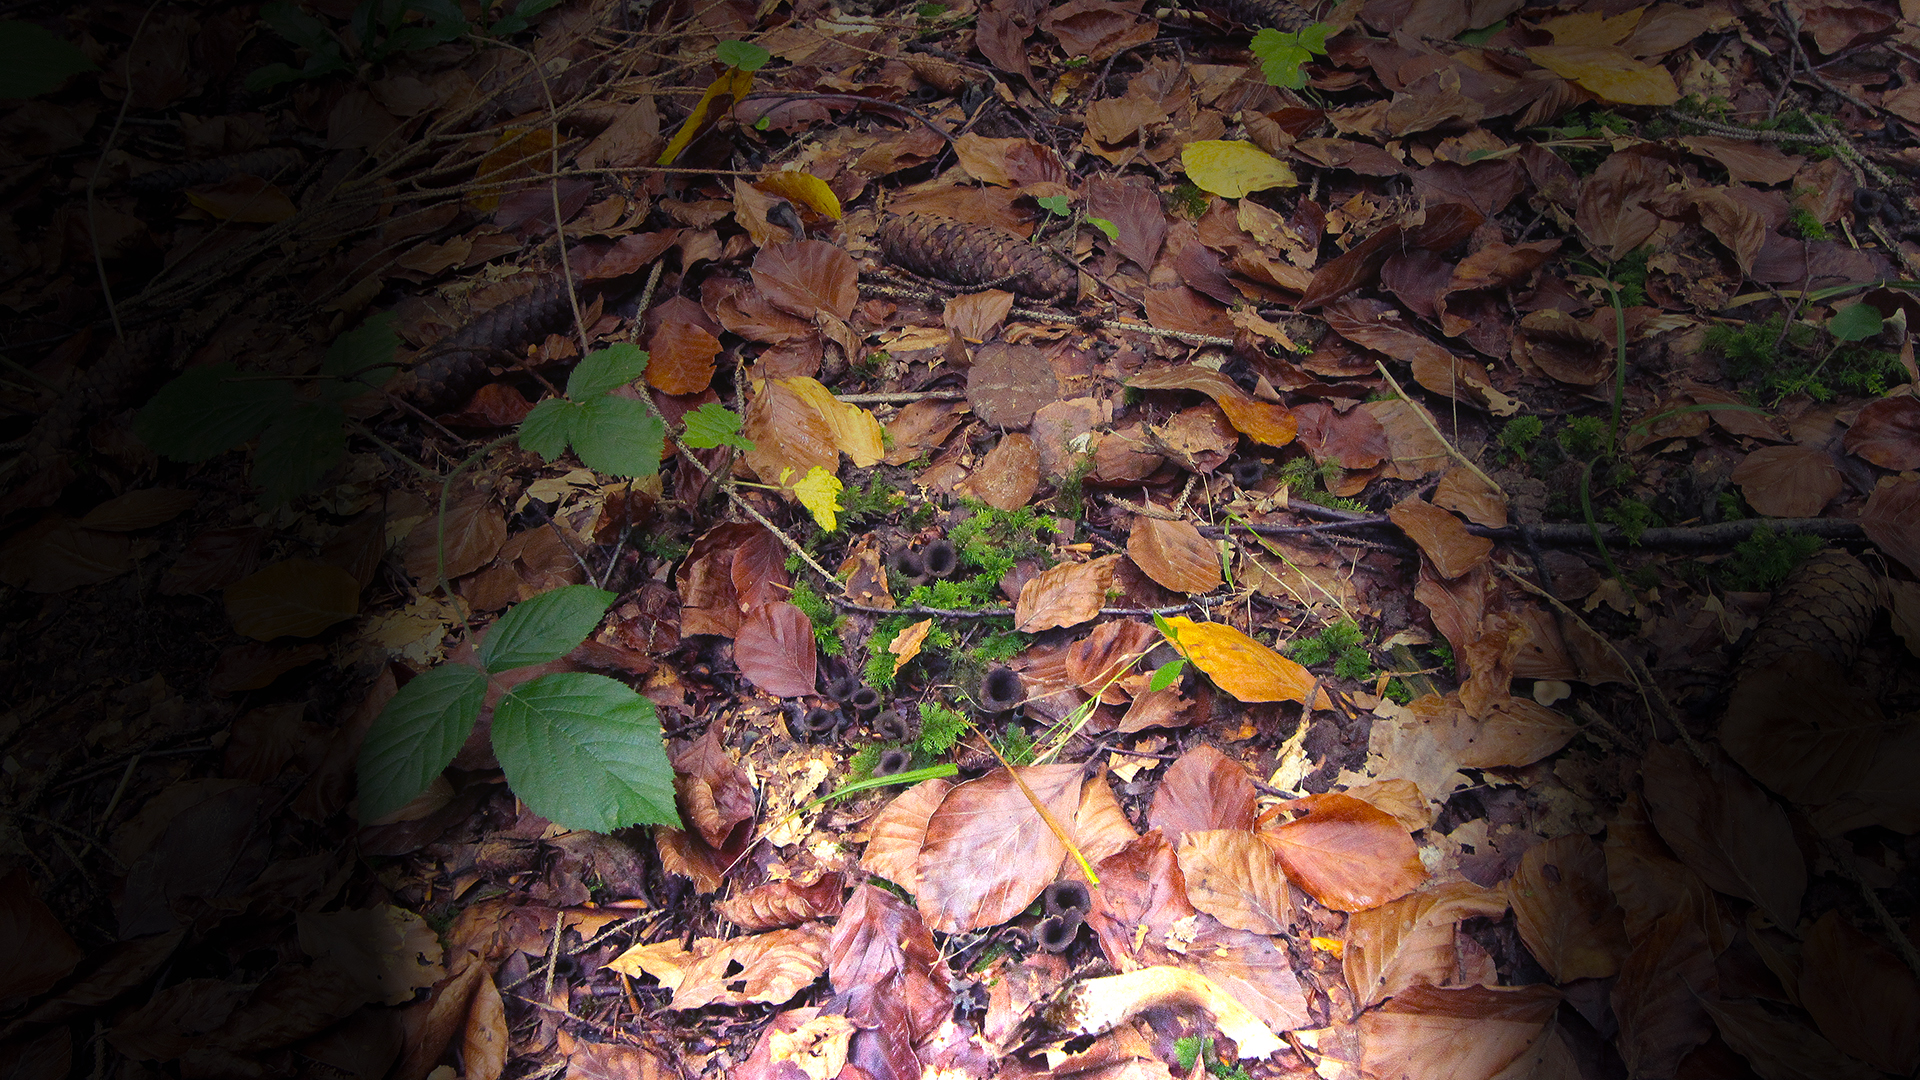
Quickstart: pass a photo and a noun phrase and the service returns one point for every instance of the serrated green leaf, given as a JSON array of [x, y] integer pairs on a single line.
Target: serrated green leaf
[[713, 424], [1055, 204], [210, 410], [269, 76], [547, 428], [544, 628], [1855, 322], [743, 55], [298, 449], [304, 30], [1313, 37], [617, 435], [1105, 226], [416, 736], [584, 752], [33, 61], [359, 355], [606, 369], [1167, 674]]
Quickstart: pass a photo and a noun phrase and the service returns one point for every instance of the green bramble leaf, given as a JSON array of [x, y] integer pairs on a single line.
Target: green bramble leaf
[[298, 449], [743, 55], [33, 61], [547, 429], [584, 752], [1055, 204], [1105, 226], [547, 627], [210, 410], [606, 369], [1282, 55], [360, 358], [1855, 322], [617, 435], [713, 424], [415, 737]]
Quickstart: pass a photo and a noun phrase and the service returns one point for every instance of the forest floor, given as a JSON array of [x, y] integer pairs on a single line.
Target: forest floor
[[960, 539]]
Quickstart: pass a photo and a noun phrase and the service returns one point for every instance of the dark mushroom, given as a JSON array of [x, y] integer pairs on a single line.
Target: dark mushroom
[[865, 703], [1067, 895], [893, 762], [1056, 932], [939, 559], [1002, 690]]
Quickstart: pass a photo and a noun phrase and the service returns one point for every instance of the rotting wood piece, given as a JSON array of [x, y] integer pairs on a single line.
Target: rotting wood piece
[[965, 254], [1280, 14], [457, 366]]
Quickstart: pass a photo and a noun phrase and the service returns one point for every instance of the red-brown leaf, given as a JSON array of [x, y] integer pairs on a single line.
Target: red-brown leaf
[[808, 277], [774, 648], [1887, 433], [1066, 595], [1174, 554], [1788, 481], [988, 852], [1203, 790], [1348, 854], [1441, 536]]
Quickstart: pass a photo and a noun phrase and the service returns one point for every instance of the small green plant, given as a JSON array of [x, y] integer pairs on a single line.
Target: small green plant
[[1633, 517], [1802, 223], [1775, 358], [828, 625], [1195, 1049], [1584, 437], [1398, 692], [1190, 201], [215, 408], [33, 61], [1070, 498], [877, 499], [1014, 744], [1732, 506], [941, 726], [1307, 480], [1057, 205], [1341, 643], [1519, 433], [581, 750], [1765, 558], [381, 30], [860, 765], [610, 433], [1282, 55]]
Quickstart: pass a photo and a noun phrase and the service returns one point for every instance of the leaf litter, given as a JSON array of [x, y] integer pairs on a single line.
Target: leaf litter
[[1414, 489]]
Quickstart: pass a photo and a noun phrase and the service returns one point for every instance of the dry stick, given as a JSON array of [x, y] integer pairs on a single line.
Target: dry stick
[[553, 954], [1431, 426], [93, 180], [553, 189], [1901, 943]]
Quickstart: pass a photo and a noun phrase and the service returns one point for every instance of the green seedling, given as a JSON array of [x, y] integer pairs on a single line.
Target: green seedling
[[1282, 55]]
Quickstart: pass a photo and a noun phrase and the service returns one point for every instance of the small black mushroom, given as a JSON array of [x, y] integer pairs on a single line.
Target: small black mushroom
[[1248, 472], [907, 567], [892, 726], [1067, 895], [865, 703], [1056, 932], [820, 723], [893, 762], [939, 559], [842, 688], [1002, 690]]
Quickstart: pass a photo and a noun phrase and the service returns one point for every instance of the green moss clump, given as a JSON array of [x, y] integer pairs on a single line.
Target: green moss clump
[[1583, 438], [1803, 224], [1520, 433], [1633, 516], [860, 765], [941, 726], [1776, 359], [1341, 643], [1765, 559], [827, 625]]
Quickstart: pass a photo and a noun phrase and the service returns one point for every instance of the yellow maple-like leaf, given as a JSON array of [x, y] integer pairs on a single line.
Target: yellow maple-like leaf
[[1232, 168], [1611, 73], [855, 431], [732, 84], [819, 492], [906, 644], [1240, 665], [804, 188]]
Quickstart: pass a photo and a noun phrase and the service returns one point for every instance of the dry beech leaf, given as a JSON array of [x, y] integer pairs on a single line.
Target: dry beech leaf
[[1610, 73], [886, 967], [1066, 595], [1510, 733], [988, 852], [1727, 830], [1100, 827], [1782, 1049], [139, 510], [1803, 726], [1410, 941], [1348, 854], [1099, 1005], [854, 430], [731, 568], [1096, 662], [1203, 790], [1008, 476], [975, 316], [808, 277], [1233, 876], [1891, 519], [1659, 991], [716, 794], [1174, 555], [1240, 665], [1468, 1033], [680, 357], [787, 433], [899, 831], [1441, 536], [1886, 433], [294, 598], [56, 554], [1261, 421], [779, 904], [906, 644], [474, 533], [766, 968], [775, 649], [1564, 911], [921, 427], [1466, 494], [1861, 995]]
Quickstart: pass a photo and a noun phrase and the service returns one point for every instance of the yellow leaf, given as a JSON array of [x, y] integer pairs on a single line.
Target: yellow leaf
[[1592, 27], [732, 83], [1611, 73], [819, 492], [1240, 665], [804, 188], [855, 431], [516, 154], [1232, 168], [906, 644]]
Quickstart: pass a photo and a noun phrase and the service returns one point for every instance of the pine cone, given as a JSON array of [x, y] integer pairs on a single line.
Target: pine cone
[[966, 254], [458, 366], [1254, 14]]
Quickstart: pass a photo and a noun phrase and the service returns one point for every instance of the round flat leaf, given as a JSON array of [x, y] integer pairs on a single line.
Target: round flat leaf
[[1887, 433], [1232, 168], [416, 735], [618, 436], [544, 628], [1855, 322], [584, 752], [295, 598], [743, 55], [1788, 481], [1174, 554]]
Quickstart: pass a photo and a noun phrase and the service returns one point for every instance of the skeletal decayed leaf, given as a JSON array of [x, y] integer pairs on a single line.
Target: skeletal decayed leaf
[[1234, 877], [1174, 554], [775, 649], [1066, 595], [296, 598], [988, 852], [1564, 911], [1240, 665], [1348, 854]]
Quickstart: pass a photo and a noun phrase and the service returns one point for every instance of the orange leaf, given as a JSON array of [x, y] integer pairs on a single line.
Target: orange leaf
[[1066, 595], [1348, 854], [681, 358], [906, 644], [1240, 665], [988, 852], [1788, 481], [1441, 536], [1261, 421], [1174, 554]]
